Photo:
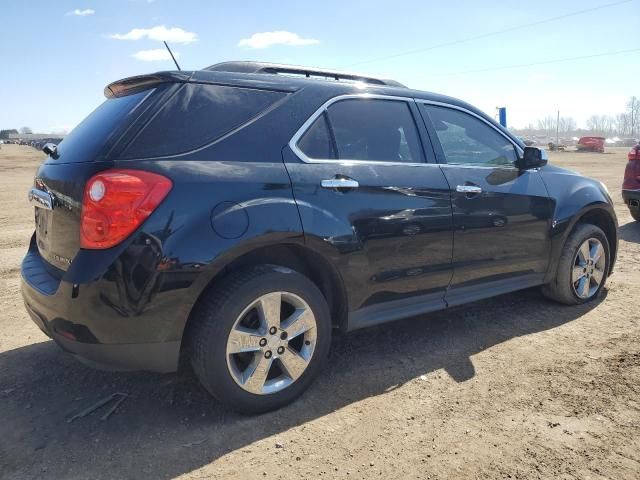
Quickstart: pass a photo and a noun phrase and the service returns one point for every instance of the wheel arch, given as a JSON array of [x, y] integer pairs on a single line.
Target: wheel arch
[[601, 218], [599, 214], [296, 257]]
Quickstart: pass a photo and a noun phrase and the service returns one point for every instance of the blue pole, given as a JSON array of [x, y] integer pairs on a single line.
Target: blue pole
[[502, 115]]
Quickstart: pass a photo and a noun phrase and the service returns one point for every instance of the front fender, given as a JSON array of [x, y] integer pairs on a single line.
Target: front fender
[[575, 197]]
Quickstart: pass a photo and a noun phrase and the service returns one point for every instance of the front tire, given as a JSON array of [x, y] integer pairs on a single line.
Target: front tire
[[582, 268], [259, 339]]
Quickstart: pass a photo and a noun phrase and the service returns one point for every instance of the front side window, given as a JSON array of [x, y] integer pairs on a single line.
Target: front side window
[[364, 129], [465, 140]]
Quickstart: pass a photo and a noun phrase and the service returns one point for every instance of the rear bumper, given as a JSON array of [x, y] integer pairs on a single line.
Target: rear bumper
[[631, 198], [155, 357], [590, 148], [81, 322]]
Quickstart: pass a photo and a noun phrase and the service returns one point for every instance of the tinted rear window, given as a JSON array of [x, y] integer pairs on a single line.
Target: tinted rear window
[[87, 139], [197, 115]]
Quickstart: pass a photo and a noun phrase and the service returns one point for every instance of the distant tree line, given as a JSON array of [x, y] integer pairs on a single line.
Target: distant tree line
[[626, 124], [7, 132]]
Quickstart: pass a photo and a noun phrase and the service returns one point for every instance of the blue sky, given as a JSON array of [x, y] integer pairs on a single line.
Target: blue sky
[[57, 56]]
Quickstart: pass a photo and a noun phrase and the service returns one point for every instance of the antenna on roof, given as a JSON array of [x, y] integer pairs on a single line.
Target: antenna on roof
[[171, 53]]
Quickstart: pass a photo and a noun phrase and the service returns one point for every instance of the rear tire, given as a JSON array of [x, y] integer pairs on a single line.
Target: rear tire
[[582, 267], [242, 353]]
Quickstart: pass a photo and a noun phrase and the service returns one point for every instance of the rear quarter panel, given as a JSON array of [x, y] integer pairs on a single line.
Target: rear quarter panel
[[215, 212]]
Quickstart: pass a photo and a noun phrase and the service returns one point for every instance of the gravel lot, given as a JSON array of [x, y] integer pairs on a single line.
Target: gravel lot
[[512, 387]]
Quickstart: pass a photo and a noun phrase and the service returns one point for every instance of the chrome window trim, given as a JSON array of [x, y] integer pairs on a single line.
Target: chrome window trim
[[471, 165], [293, 143], [517, 147]]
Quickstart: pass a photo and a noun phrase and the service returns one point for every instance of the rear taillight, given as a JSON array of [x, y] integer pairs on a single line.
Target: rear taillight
[[116, 202], [632, 170]]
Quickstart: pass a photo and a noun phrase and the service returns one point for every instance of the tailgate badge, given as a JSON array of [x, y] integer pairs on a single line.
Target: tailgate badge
[[40, 199]]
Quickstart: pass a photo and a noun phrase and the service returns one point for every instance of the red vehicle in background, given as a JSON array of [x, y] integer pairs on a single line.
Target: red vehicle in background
[[631, 183], [591, 144]]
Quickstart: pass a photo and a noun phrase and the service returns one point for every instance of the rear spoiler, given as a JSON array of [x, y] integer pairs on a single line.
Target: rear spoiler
[[127, 86]]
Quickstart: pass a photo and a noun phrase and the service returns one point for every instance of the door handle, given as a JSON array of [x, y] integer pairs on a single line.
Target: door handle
[[339, 183], [468, 189]]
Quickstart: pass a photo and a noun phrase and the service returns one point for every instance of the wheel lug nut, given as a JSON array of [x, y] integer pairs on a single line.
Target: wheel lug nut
[[283, 335], [263, 342], [273, 330], [267, 354], [280, 350]]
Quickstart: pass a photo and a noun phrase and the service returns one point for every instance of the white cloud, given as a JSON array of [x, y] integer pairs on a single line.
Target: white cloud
[[281, 37], [82, 13], [159, 33], [154, 55]]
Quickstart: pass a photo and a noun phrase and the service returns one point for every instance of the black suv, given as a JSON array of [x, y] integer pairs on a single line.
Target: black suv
[[236, 215]]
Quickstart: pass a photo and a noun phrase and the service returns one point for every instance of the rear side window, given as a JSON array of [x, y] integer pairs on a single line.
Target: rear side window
[[364, 129], [87, 139], [380, 130], [317, 142], [197, 115], [469, 141]]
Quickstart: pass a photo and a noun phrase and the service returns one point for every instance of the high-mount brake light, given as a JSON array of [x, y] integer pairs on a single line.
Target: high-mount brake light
[[116, 202]]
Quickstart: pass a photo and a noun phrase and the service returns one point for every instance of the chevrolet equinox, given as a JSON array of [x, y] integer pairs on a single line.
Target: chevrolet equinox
[[235, 216]]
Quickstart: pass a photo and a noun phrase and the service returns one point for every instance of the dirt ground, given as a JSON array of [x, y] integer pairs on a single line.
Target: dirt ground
[[512, 387]]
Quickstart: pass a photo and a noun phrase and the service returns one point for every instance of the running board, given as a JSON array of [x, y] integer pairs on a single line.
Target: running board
[[420, 304]]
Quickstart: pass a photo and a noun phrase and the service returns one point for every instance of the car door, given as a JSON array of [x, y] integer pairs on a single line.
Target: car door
[[501, 215], [375, 203]]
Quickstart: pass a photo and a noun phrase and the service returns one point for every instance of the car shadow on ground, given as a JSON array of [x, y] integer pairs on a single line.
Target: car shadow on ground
[[169, 425], [630, 232]]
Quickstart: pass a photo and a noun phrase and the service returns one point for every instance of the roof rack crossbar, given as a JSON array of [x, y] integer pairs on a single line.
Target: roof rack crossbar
[[308, 72]]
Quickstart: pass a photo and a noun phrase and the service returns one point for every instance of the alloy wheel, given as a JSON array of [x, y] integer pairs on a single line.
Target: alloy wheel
[[271, 343], [588, 268]]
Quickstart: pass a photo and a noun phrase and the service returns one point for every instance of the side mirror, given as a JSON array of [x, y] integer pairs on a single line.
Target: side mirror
[[51, 149], [532, 158]]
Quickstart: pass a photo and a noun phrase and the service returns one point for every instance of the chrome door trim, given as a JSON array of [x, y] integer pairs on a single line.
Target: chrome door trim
[[487, 167]]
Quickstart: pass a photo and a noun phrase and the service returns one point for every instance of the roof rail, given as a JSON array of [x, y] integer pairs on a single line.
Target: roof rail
[[309, 72]]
